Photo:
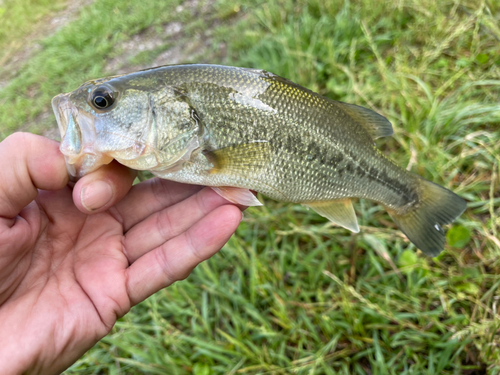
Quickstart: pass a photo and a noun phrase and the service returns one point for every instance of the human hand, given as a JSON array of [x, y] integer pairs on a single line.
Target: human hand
[[67, 275]]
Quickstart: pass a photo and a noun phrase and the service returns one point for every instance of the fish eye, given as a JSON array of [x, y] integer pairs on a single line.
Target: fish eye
[[102, 98]]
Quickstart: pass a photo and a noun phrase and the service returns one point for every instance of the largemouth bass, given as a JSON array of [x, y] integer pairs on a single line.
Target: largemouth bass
[[237, 130]]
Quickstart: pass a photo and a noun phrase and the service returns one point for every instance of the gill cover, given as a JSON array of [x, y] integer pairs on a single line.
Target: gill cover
[[114, 119]]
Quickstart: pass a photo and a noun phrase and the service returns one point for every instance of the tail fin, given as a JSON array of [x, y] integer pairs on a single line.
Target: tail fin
[[423, 223]]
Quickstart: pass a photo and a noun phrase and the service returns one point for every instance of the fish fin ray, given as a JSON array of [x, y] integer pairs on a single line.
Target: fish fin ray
[[375, 124], [422, 225], [237, 195], [340, 212], [240, 159]]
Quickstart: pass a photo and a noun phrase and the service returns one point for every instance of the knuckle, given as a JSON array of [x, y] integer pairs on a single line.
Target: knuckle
[[164, 225], [18, 140], [193, 249], [201, 201], [117, 215], [126, 251], [18, 137], [160, 191], [166, 267]]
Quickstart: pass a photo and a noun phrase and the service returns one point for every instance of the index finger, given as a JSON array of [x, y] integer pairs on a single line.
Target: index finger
[[28, 162]]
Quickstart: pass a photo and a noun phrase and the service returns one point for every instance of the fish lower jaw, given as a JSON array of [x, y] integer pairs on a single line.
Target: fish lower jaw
[[73, 159], [83, 164]]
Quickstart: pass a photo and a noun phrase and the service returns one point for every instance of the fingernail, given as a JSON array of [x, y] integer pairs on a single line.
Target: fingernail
[[96, 195]]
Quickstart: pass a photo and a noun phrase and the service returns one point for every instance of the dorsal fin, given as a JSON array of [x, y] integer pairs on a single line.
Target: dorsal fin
[[375, 124]]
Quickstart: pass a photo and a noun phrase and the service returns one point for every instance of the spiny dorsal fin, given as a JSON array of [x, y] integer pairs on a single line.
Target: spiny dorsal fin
[[375, 124], [339, 211], [240, 159]]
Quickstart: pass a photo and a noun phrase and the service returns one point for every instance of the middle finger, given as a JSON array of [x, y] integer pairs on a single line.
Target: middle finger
[[151, 196], [169, 223]]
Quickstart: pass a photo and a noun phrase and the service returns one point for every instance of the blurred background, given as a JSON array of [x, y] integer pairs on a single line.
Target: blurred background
[[290, 293]]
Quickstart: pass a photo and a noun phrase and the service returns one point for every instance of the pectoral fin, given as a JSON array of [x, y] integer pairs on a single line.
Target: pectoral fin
[[339, 211], [237, 195], [241, 159]]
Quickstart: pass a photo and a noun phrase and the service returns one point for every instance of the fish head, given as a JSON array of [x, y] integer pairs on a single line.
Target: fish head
[[117, 119]]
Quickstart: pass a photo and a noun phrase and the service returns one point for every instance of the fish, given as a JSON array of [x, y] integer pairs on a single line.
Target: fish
[[240, 130]]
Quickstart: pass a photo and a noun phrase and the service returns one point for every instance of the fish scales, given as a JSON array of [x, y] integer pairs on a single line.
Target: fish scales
[[317, 145], [238, 129]]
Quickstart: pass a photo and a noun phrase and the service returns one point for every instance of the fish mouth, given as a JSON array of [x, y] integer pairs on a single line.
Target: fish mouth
[[78, 135]]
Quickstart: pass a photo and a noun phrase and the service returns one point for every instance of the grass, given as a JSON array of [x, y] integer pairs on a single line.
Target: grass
[[20, 18], [290, 293]]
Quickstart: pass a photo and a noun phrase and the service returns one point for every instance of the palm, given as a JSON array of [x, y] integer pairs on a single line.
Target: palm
[[82, 271], [80, 260]]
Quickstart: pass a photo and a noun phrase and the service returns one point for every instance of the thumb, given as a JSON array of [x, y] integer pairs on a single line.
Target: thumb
[[28, 162]]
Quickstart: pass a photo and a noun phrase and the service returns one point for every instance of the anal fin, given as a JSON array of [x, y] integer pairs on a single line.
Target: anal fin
[[340, 212], [237, 195]]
